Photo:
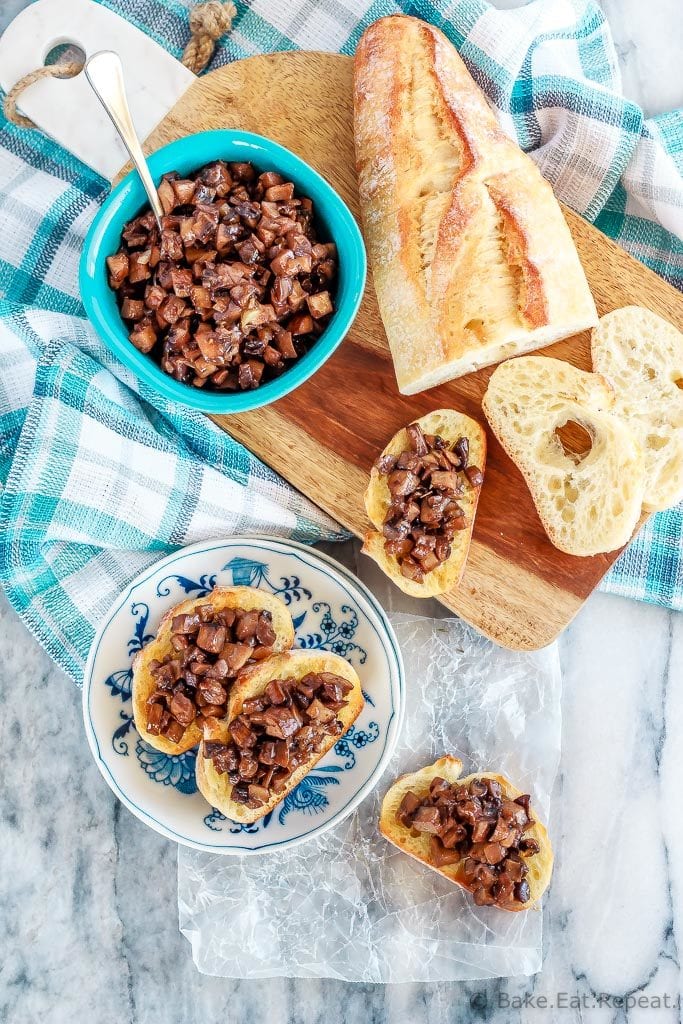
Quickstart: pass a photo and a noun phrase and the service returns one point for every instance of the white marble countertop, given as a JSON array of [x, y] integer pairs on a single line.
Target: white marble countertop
[[88, 893]]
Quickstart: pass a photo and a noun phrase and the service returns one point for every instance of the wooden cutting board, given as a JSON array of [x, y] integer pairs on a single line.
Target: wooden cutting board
[[517, 588]]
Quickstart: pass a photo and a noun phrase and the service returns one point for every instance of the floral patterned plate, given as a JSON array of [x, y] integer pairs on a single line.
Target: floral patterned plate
[[331, 610]]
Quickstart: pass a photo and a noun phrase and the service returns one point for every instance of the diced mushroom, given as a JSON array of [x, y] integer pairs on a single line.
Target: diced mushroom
[[475, 476], [143, 337], [242, 253], [441, 856], [118, 266], [174, 731], [402, 483], [300, 325], [319, 304], [427, 819], [281, 722], [154, 715], [211, 637], [132, 309], [445, 480], [212, 691], [182, 709], [417, 439], [236, 656], [166, 195], [275, 692], [182, 282], [184, 191]]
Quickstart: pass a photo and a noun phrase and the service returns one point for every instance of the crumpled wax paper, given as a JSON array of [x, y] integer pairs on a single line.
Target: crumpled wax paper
[[348, 905]]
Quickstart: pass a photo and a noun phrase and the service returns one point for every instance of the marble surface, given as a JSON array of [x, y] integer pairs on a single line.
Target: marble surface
[[88, 894], [88, 897]]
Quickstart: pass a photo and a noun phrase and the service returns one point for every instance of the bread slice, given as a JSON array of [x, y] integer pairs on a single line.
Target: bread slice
[[293, 665], [451, 425], [587, 503], [160, 648], [417, 844], [641, 355], [471, 257]]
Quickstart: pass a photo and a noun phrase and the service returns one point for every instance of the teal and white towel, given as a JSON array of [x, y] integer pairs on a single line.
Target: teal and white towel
[[101, 476]]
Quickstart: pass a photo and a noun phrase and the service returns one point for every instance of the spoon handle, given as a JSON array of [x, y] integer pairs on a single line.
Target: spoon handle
[[105, 74]]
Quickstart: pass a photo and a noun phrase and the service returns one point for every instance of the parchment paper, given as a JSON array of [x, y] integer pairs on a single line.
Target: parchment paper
[[348, 905]]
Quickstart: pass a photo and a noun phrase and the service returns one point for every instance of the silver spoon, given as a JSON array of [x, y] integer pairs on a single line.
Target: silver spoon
[[105, 74]]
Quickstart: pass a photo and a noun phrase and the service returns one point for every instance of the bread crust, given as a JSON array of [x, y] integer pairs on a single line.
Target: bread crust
[[144, 685], [448, 767], [589, 505], [457, 218], [253, 681], [451, 425]]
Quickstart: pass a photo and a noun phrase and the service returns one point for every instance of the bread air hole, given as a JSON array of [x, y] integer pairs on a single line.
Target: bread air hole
[[575, 439], [477, 328]]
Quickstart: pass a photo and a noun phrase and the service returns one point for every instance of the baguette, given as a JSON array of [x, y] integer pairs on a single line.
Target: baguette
[[417, 844], [161, 649], [450, 425], [293, 665], [642, 357], [588, 502], [470, 254]]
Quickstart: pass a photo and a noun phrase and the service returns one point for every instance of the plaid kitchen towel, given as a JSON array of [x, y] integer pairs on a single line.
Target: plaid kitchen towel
[[102, 476]]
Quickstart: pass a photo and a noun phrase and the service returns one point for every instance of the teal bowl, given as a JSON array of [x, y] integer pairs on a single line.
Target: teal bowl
[[333, 217]]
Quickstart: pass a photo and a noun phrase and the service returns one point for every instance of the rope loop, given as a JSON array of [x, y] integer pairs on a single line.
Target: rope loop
[[208, 22]]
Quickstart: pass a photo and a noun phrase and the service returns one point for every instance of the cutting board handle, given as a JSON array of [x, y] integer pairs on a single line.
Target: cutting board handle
[[67, 109]]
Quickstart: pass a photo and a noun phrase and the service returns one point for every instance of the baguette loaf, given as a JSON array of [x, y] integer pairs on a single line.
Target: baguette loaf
[[293, 665], [471, 257], [161, 649], [417, 844], [589, 502], [450, 425], [642, 357]]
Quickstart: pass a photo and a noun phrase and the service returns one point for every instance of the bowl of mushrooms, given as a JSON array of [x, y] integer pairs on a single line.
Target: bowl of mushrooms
[[245, 286]]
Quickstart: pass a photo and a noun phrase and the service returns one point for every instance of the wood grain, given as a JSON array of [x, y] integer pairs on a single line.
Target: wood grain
[[517, 588]]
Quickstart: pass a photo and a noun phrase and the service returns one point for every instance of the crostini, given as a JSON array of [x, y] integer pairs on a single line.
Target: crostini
[[283, 716], [182, 678], [422, 499], [478, 832]]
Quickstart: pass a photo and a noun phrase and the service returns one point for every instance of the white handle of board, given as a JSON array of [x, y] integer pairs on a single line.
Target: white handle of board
[[67, 109]]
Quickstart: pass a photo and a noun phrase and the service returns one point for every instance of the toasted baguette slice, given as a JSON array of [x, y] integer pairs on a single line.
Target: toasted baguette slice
[[590, 503], [642, 357], [471, 257], [417, 845], [253, 681], [451, 425], [160, 648]]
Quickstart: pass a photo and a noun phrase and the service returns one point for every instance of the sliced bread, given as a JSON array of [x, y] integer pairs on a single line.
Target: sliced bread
[[589, 502], [641, 355]]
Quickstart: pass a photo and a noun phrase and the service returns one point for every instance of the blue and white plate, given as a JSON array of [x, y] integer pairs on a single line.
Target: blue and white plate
[[331, 610]]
